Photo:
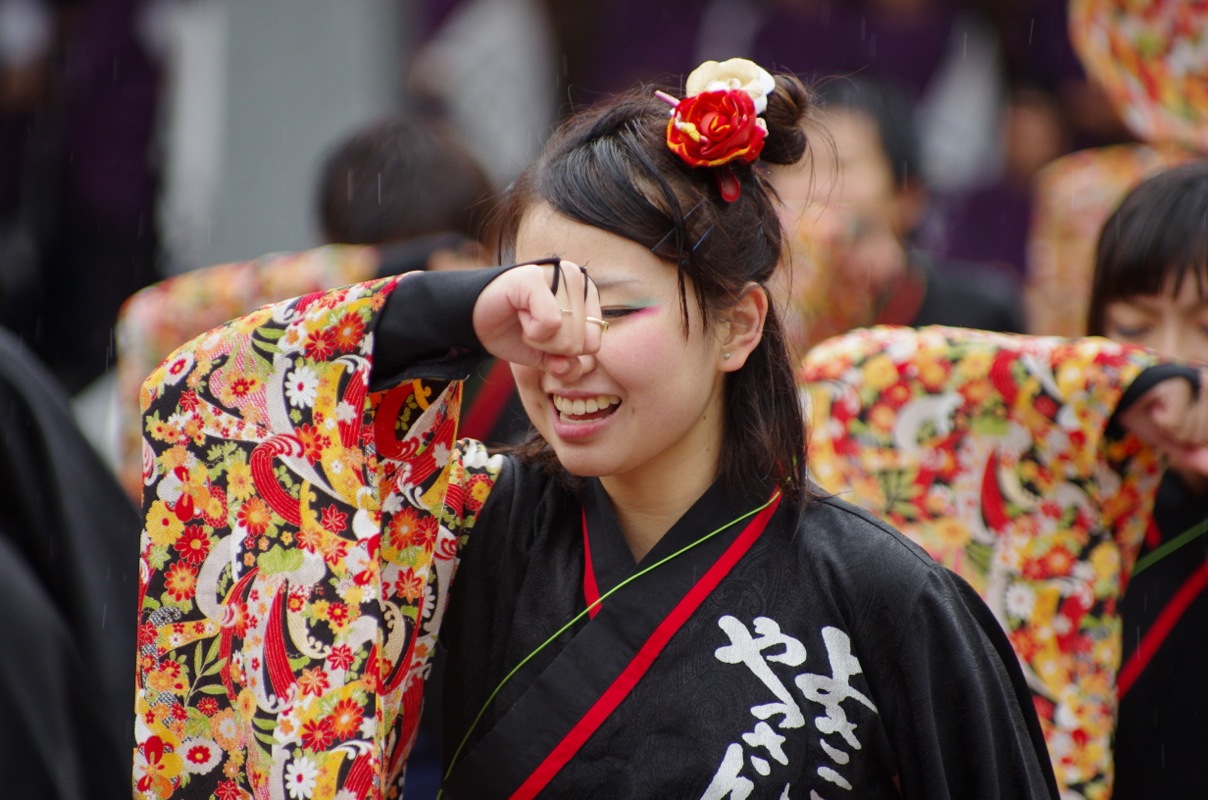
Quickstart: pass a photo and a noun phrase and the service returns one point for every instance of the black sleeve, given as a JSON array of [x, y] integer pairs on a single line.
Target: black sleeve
[[1150, 378], [970, 724], [426, 329]]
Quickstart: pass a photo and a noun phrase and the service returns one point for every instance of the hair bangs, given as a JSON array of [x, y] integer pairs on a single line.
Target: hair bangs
[[607, 186]]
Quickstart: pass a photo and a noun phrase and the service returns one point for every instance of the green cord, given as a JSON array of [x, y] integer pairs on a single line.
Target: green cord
[[580, 615], [1183, 539]]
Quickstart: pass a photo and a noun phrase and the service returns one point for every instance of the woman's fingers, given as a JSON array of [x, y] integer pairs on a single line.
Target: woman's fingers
[[541, 315], [1183, 412], [595, 325], [1190, 430], [1173, 418], [559, 313]]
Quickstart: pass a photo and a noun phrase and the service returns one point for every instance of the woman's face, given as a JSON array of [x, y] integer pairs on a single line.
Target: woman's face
[[1174, 324], [651, 398]]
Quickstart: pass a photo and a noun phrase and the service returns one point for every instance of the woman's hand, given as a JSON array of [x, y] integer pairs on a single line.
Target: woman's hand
[[1172, 418], [541, 315]]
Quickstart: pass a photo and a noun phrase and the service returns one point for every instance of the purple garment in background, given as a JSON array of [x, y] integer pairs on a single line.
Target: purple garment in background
[[990, 225], [110, 93], [838, 38], [630, 42], [1036, 45]]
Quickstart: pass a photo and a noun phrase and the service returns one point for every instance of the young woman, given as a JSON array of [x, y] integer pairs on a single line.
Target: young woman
[[1151, 288], [650, 600], [1030, 466]]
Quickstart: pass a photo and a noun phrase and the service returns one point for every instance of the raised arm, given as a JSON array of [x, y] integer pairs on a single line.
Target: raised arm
[[1010, 460], [297, 537]]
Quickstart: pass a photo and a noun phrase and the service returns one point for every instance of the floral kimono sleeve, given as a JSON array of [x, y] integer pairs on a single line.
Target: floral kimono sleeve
[[160, 318], [299, 532], [995, 453]]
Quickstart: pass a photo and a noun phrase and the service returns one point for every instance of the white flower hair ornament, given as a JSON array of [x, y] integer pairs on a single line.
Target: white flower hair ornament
[[718, 121], [735, 73]]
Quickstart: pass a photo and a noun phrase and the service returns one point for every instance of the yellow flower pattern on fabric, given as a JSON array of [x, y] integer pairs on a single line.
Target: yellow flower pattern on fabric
[[1004, 471], [300, 535], [160, 318]]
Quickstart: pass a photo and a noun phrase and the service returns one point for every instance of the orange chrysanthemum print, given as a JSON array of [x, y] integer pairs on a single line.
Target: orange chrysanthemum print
[[349, 332], [346, 718], [255, 515]]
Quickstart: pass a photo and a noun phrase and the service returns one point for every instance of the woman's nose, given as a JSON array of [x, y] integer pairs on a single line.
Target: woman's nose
[[569, 368]]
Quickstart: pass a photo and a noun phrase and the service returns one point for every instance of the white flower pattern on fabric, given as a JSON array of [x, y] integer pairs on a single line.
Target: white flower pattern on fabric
[[300, 778], [300, 387]]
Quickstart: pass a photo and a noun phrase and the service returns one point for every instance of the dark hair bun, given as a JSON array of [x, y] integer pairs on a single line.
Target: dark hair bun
[[788, 105]]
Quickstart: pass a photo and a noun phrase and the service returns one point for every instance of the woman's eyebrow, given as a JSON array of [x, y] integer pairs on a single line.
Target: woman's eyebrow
[[611, 283]]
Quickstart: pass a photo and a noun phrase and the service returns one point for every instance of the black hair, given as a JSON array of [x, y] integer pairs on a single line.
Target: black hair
[[1159, 233], [891, 112], [399, 179], [609, 166]]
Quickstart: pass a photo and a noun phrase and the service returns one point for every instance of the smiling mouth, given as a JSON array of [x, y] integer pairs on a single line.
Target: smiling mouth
[[585, 409]]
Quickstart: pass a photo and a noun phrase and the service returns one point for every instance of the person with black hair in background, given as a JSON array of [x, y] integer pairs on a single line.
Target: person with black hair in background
[[413, 189], [650, 598], [1150, 287], [410, 184], [851, 213]]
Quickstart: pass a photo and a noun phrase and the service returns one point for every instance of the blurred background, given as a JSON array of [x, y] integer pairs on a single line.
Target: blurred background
[[140, 139], [144, 140]]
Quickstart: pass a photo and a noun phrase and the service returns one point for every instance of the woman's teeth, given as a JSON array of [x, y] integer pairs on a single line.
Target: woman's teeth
[[584, 405]]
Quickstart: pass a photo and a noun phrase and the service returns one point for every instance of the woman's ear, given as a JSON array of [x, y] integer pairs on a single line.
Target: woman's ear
[[743, 328]]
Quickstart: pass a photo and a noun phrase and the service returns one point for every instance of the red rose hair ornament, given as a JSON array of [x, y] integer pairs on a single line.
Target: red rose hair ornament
[[718, 121]]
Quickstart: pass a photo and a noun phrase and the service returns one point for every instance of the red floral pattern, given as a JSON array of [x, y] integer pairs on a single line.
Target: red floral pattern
[[993, 452], [162, 317], [714, 128], [1150, 57], [295, 557]]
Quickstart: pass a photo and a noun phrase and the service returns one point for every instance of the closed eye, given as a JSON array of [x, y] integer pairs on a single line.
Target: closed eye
[[614, 312], [1129, 331]]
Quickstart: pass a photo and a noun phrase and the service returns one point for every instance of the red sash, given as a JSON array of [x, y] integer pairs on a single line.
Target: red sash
[[600, 667]]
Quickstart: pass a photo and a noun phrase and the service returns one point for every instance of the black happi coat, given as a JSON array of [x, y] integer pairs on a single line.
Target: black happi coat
[[1160, 743], [833, 659], [68, 587]]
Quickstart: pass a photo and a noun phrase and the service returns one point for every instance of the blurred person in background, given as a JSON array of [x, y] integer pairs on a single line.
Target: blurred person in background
[[409, 184], [1148, 62], [989, 223], [68, 587], [1048, 107], [84, 182], [1150, 287], [851, 215]]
